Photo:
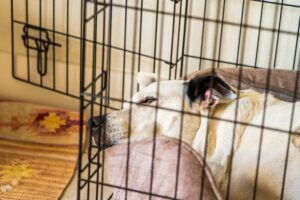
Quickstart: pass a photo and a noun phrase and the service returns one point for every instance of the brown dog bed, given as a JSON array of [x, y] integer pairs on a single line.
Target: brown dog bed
[[281, 83]]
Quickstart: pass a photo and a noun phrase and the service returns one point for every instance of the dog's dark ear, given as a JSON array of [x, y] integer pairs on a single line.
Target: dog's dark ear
[[209, 91]]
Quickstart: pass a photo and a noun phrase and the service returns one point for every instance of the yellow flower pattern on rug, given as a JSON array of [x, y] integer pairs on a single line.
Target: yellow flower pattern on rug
[[52, 122], [11, 174], [38, 150]]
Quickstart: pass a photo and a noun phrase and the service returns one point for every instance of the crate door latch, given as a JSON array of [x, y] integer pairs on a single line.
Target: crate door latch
[[37, 39]]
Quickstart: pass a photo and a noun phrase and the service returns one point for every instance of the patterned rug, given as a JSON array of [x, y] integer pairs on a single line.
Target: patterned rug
[[38, 151]]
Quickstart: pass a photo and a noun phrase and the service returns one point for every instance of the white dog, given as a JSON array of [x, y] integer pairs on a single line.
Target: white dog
[[202, 113]]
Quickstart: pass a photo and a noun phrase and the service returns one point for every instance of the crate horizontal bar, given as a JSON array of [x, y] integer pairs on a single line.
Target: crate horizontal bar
[[98, 12], [106, 45], [97, 2], [101, 75], [277, 3], [90, 161], [191, 17], [128, 189], [221, 61]]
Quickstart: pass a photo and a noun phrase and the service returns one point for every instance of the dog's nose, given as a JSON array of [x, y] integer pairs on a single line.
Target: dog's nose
[[92, 123], [96, 126], [96, 122]]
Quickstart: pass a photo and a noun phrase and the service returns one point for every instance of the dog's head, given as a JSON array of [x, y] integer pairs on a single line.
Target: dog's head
[[170, 108]]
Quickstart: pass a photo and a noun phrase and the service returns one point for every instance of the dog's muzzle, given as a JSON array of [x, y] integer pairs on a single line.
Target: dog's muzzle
[[97, 127]]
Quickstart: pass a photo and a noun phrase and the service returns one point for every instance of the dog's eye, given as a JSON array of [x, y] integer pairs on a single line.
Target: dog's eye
[[148, 100]]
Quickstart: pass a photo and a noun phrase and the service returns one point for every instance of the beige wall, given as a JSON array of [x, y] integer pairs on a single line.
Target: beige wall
[[12, 89], [16, 90]]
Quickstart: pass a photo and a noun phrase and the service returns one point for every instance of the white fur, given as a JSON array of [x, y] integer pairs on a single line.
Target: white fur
[[167, 120]]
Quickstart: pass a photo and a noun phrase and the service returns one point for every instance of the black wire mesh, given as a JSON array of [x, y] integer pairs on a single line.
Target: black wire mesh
[[93, 56]]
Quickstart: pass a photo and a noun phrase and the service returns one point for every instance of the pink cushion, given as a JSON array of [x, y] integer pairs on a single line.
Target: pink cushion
[[165, 164]]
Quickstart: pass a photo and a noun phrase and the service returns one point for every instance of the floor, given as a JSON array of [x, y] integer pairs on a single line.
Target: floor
[[71, 191]]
